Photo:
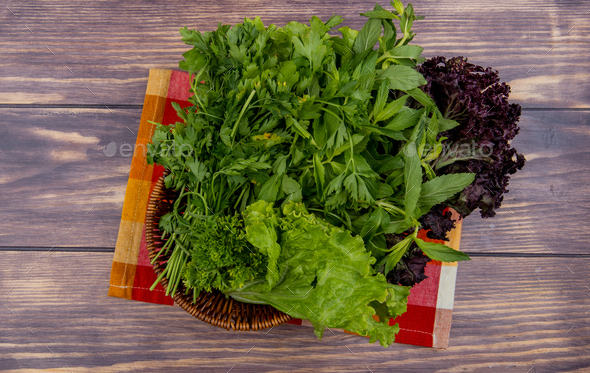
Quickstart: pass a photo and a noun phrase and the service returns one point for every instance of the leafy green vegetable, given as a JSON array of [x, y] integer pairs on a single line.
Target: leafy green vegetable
[[297, 118], [412, 178], [221, 257], [261, 232], [443, 187], [441, 252], [326, 276]]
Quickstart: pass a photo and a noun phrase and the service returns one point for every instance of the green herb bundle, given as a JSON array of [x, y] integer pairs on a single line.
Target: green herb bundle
[[327, 127]]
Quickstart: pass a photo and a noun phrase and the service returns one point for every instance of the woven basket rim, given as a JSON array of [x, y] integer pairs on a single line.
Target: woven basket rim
[[213, 308]]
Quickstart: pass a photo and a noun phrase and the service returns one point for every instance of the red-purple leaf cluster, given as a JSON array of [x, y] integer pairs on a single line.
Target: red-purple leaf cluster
[[474, 97]]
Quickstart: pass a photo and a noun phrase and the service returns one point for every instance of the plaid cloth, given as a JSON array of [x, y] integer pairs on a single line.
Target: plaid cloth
[[430, 305]]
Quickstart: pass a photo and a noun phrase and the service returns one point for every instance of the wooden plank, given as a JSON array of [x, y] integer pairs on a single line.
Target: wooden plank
[[55, 175], [547, 206], [100, 52], [509, 313], [54, 166]]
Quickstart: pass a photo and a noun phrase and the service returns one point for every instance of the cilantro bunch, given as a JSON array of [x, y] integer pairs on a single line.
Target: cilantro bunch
[[221, 257], [299, 116]]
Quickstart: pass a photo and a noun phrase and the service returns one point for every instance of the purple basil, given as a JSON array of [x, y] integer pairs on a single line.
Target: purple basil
[[474, 97]]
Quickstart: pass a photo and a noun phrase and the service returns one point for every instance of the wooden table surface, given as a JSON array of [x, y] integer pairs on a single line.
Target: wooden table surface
[[72, 80]]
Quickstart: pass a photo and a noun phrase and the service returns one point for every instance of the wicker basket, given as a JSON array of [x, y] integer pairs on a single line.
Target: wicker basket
[[213, 308]]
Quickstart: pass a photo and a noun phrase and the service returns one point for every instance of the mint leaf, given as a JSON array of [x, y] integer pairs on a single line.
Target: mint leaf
[[407, 51], [396, 135], [446, 124], [381, 14], [270, 189], [405, 118], [396, 254], [412, 178], [421, 97], [319, 174], [381, 100], [442, 187], [289, 185], [392, 108], [441, 252], [378, 220], [368, 36]]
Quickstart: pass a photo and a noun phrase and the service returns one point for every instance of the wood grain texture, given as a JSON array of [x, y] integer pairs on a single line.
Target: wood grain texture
[[540, 48], [509, 313], [54, 165], [55, 175], [547, 206]]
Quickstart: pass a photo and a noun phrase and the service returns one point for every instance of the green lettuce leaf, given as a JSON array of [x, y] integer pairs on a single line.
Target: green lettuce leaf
[[325, 276], [261, 231]]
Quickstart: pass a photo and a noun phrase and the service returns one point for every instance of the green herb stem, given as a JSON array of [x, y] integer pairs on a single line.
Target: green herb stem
[[233, 132]]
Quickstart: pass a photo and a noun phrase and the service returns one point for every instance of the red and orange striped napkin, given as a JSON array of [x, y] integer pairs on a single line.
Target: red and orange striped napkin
[[430, 305]]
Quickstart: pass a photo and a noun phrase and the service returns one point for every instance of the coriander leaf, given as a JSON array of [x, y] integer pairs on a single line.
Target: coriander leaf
[[351, 186], [288, 73], [295, 28], [348, 35], [334, 21], [312, 48], [365, 189], [195, 38], [441, 252], [225, 134], [179, 111], [401, 77], [198, 169], [318, 26], [193, 61]]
